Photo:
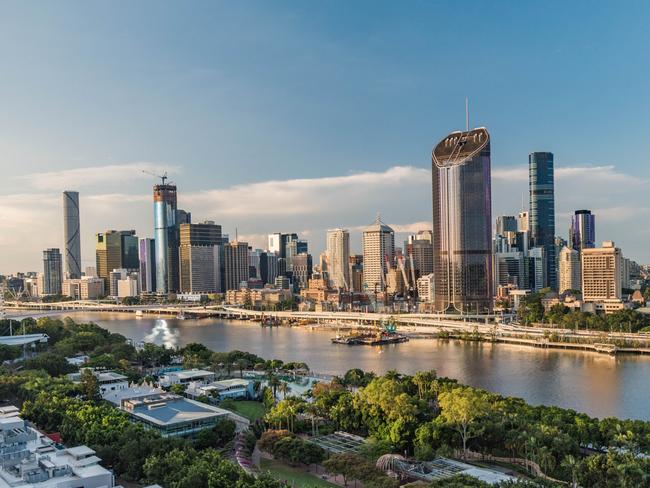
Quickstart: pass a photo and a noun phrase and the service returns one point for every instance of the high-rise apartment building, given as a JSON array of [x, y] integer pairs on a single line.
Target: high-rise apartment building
[[147, 257], [378, 242], [601, 273], [71, 234], [52, 272], [338, 258], [462, 222], [199, 258], [582, 233], [236, 264], [569, 270], [523, 222], [542, 210]]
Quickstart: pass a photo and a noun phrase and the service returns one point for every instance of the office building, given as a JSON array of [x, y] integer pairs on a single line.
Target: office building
[[510, 269], [378, 243], [129, 249], [569, 270], [52, 272], [419, 252], [356, 273], [542, 210], [236, 264], [84, 288], [200, 249], [270, 271], [582, 233], [601, 273], [294, 247], [523, 222], [338, 257], [164, 206], [147, 257], [506, 223], [116, 250], [462, 222], [30, 459], [302, 270], [128, 286], [114, 278], [71, 235], [537, 268]]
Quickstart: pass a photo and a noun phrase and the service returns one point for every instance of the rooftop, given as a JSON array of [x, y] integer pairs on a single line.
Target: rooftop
[[187, 374], [167, 409], [102, 376], [459, 146]]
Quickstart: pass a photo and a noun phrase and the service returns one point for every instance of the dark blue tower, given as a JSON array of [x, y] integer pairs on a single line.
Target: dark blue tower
[[542, 210]]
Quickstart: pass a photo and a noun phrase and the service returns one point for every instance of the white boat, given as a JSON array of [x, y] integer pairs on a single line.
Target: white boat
[[138, 314]]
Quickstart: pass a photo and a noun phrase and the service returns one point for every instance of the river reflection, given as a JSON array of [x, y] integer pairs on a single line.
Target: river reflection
[[596, 384]]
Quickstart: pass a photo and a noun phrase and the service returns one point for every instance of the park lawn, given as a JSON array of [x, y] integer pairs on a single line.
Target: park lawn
[[247, 408], [293, 475]]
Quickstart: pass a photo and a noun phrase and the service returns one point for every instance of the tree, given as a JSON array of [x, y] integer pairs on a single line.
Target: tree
[[571, 464], [89, 384], [178, 389], [8, 353], [343, 464], [54, 364], [462, 407]]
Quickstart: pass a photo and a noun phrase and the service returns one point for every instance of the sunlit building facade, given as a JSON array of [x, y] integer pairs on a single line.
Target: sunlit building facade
[[462, 217]]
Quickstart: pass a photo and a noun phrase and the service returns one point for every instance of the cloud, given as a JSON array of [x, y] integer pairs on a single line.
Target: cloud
[[592, 173], [110, 175]]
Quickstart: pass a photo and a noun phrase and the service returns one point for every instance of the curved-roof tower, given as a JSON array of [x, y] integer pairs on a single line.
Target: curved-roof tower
[[462, 222]]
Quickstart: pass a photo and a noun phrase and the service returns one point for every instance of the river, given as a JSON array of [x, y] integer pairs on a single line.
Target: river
[[596, 384]]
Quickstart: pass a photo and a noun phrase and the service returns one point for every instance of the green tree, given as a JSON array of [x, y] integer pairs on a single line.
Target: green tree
[[462, 408], [89, 384]]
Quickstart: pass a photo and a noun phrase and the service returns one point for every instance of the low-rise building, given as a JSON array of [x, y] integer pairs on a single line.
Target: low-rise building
[[234, 388], [172, 415], [185, 377], [85, 288], [28, 459], [108, 380]]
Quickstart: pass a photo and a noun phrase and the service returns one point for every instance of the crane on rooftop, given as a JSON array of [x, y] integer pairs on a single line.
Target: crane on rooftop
[[163, 177]]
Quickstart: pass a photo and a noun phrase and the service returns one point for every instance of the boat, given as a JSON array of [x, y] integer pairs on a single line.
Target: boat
[[138, 314], [387, 335], [181, 315]]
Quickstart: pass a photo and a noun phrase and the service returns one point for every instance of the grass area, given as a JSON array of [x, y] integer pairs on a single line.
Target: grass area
[[246, 408], [293, 475]]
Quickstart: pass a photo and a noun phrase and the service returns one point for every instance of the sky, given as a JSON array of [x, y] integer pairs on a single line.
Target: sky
[[303, 116]]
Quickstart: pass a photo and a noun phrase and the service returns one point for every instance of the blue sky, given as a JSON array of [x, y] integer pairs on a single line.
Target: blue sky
[[226, 94]]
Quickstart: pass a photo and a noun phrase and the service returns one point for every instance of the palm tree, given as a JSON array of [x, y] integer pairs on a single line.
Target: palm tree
[[570, 463], [284, 388], [545, 459], [274, 382]]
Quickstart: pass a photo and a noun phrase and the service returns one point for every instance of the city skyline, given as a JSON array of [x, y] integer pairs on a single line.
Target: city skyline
[[325, 124]]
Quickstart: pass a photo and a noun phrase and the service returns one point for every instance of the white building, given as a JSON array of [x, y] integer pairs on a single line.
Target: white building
[[29, 459], [378, 246], [109, 381], [569, 270], [338, 257], [186, 377], [128, 287], [425, 285]]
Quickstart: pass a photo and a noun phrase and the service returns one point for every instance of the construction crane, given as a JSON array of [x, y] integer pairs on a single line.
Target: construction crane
[[162, 177]]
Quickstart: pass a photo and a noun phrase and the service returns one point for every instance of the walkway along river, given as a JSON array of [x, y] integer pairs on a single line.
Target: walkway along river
[[597, 384]]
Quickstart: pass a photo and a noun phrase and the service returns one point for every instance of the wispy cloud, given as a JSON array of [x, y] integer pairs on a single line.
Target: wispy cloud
[[111, 175]]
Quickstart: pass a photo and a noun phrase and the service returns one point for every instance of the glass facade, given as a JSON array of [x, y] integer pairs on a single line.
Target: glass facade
[[583, 230], [462, 222], [71, 234], [542, 210], [164, 211]]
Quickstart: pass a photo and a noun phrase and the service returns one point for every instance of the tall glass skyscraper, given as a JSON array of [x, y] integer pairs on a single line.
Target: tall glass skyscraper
[[164, 222], [462, 222], [542, 210], [71, 234], [582, 233]]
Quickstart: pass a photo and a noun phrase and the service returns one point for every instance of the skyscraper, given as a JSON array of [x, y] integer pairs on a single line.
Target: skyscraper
[[71, 234], [601, 273], [52, 272], [147, 257], [462, 222], [129, 245], [199, 257], [164, 207], [582, 233], [542, 210], [338, 257], [419, 251], [108, 253], [236, 264], [378, 242]]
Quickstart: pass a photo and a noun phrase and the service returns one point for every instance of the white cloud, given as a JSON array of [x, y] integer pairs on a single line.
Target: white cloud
[[110, 175]]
